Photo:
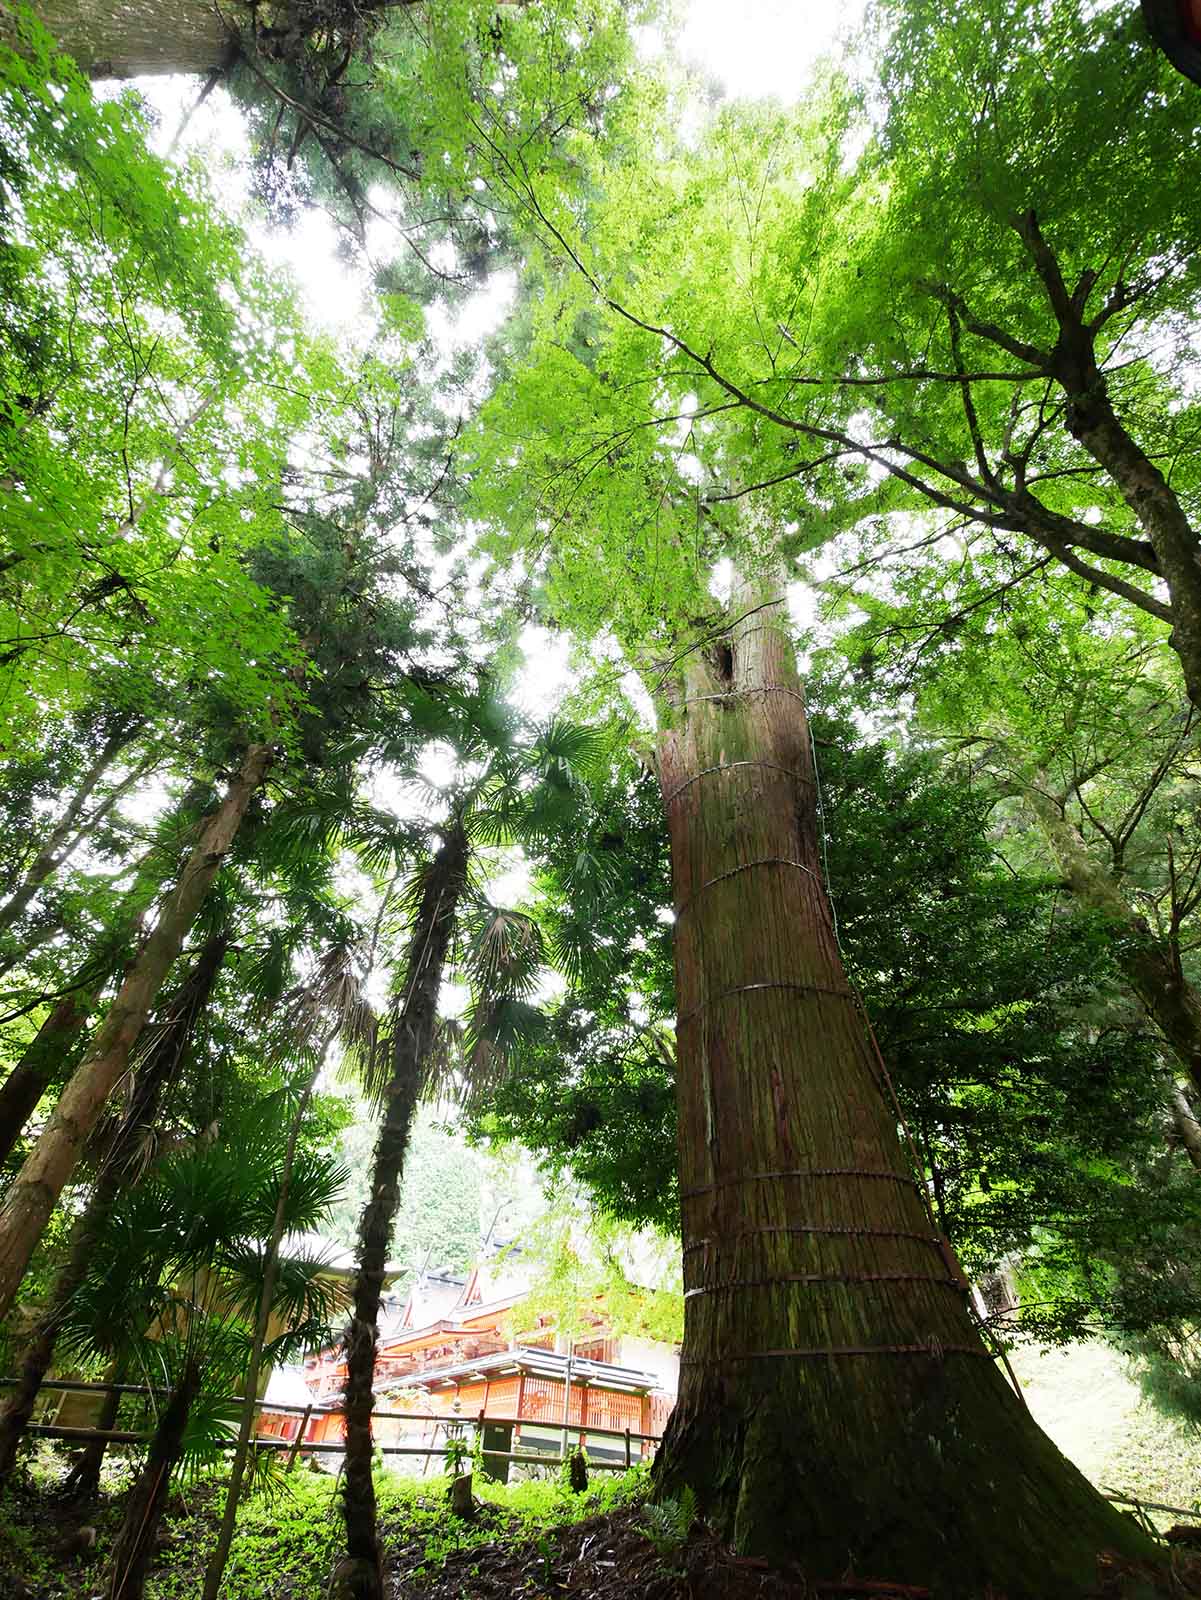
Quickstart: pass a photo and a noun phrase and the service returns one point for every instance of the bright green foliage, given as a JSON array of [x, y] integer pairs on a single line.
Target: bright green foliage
[[152, 382]]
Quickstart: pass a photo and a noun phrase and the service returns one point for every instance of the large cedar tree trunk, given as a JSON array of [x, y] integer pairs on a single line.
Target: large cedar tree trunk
[[359, 1576], [172, 1037], [48, 1167], [837, 1406], [136, 38]]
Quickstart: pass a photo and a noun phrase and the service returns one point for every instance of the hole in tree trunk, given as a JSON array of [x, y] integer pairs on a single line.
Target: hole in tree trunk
[[725, 662]]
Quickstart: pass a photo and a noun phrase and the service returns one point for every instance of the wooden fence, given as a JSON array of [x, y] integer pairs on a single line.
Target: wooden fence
[[298, 1445]]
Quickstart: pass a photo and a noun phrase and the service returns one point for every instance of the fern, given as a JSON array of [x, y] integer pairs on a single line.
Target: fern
[[667, 1523]]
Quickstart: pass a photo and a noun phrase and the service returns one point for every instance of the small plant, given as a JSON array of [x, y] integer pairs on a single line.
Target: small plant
[[457, 1451], [667, 1523]]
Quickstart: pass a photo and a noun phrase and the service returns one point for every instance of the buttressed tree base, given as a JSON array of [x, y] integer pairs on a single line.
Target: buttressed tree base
[[838, 1407]]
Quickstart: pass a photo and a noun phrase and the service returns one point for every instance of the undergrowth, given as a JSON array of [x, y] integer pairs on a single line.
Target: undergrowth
[[285, 1545]]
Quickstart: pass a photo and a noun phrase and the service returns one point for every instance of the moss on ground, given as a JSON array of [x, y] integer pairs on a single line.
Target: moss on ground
[[286, 1546]]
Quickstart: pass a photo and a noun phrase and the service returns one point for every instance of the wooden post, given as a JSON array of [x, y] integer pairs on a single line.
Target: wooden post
[[628, 1463], [299, 1439]]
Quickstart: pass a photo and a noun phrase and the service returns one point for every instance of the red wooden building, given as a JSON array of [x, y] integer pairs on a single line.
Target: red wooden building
[[448, 1358]]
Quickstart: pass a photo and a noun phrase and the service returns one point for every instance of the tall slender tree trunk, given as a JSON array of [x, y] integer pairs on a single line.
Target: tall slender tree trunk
[[48, 1056], [83, 1480], [359, 1576], [215, 1570], [139, 37], [134, 1547], [68, 831], [45, 1055], [31, 1199], [1184, 1120], [837, 1406], [154, 1075], [1147, 962]]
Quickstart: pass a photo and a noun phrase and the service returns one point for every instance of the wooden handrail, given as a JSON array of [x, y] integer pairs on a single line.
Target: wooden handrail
[[79, 1386]]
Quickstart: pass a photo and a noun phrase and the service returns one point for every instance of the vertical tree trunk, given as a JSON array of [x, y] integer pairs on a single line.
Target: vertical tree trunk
[[1188, 1129], [837, 1407], [31, 1199], [83, 1480], [359, 1577], [65, 834], [1149, 966], [135, 38], [47, 1052], [154, 1074], [215, 1570], [134, 1547]]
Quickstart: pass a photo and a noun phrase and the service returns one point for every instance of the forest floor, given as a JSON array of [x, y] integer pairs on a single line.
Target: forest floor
[[536, 1540]]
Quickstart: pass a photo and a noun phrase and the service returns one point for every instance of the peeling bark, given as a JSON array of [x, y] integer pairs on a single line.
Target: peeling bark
[[837, 1406]]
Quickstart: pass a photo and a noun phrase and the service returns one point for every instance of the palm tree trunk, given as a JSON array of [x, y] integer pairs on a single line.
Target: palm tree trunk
[[66, 835], [155, 1073], [134, 1547], [837, 1407], [33, 1195], [215, 1570], [360, 1575]]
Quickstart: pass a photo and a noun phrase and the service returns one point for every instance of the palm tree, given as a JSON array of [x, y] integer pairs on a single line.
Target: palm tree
[[174, 1289], [513, 791]]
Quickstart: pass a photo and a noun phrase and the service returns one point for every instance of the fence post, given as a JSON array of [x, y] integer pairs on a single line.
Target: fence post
[[299, 1439], [628, 1462]]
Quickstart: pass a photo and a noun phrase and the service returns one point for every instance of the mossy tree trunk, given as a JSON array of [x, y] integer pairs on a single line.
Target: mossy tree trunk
[[359, 1576], [837, 1407]]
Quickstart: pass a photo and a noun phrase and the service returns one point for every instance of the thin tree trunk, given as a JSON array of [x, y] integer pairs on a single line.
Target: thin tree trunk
[[83, 1480], [360, 1576], [134, 1547], [154, 1075], [65, 836], [46, 1053], [1147, 963], [137, 38], [50, 1164], [1093, 422], [215, 1570], [1188, 1129], [837, 1407]]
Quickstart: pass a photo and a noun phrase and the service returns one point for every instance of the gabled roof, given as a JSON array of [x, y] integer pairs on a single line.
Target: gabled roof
[[537, 1363]]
